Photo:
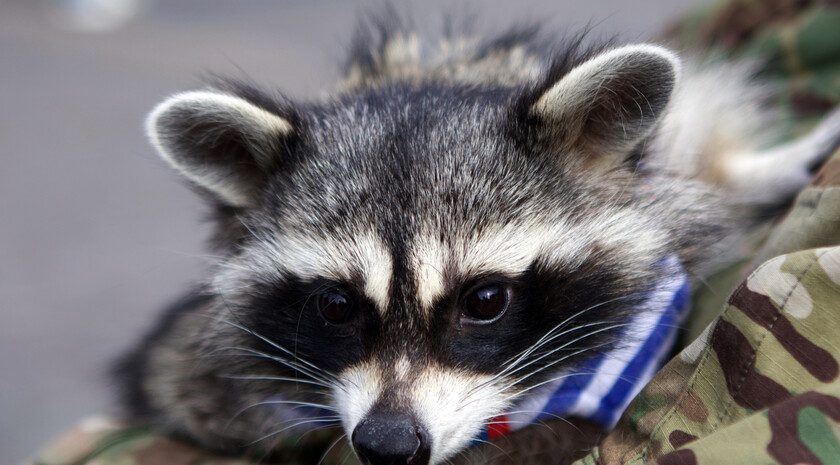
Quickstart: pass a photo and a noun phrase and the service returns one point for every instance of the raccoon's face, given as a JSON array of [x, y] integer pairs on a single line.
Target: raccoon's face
[[410, 260]]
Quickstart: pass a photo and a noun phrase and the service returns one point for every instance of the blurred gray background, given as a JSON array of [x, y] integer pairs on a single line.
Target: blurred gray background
[[96, 234]]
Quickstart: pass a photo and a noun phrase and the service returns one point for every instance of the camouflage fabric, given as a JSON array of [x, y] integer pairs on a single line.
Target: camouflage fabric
[[760, 384], [814, 219]]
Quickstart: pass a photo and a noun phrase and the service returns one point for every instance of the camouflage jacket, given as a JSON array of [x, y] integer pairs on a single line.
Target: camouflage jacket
[[760, 384]]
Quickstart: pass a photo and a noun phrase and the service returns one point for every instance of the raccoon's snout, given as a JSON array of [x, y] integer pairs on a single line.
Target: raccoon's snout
[[385, 437]]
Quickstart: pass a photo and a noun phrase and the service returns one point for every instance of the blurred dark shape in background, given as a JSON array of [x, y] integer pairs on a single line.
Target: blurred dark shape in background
[[96, 234]]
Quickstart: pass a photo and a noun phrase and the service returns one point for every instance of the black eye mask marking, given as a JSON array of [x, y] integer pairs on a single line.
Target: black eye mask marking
[[582, 310], [321, 322]]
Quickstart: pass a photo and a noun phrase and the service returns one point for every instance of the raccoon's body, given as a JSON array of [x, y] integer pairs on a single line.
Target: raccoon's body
[[384, 254]]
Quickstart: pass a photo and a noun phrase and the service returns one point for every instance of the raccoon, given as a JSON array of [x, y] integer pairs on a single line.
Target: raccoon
[[451, 228]]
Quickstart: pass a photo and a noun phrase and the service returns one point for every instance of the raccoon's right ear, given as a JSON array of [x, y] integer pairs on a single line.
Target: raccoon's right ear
[[608, 104], [221, 142]]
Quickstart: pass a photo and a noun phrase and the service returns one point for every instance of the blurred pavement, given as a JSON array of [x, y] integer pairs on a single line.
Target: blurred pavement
[[96, 234]]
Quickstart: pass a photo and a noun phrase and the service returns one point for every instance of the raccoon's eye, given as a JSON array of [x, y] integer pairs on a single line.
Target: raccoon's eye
[[334, 307], [486, 304]]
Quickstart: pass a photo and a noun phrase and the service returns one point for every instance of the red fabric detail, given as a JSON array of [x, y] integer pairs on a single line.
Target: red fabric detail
[[498, 426]]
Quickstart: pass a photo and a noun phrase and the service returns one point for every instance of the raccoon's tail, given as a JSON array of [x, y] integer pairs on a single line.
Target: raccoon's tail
[[775, 175]]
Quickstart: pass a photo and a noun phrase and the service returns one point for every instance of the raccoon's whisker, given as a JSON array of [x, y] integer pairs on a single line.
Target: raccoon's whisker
[[295, 425], [327, 452], [550, 365], [322, 422], [281, 348], [278, 378], [301, 404], [484, 441], [560, 326], [501, 452], [553, 351], [450, 462], [559, 377], [526, 422], [561, 418], [709, 288], [486, 419], [547, 354], [514, 368], [293, 365], [291, 402], [514, 396], [541, 423], [283, 361], [304, 433], [564, 358], [510, 383], [287, 363], [347, 455], [553, 337]]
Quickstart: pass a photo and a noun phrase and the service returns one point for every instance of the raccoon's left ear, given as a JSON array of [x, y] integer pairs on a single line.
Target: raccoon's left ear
[[609, 103], [221, 142]]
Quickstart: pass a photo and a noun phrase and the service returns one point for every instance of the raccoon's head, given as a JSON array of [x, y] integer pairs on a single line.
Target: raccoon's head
[[410, 260]]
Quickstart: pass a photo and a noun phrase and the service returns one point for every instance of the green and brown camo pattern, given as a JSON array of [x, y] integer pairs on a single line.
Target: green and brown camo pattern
[[761, 384]]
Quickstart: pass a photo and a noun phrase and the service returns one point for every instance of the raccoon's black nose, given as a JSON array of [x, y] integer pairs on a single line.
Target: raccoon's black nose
[[385, 437]]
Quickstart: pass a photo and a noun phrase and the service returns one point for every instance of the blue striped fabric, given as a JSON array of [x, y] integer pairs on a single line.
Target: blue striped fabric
[[652, 355]]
